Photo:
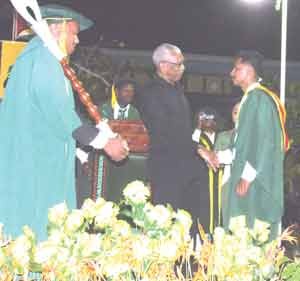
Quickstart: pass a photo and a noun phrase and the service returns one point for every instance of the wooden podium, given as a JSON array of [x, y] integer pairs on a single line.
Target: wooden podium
[[109, 177]]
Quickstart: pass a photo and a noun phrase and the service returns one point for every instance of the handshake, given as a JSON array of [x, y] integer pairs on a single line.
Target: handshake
[[215, 159], [102, 137]]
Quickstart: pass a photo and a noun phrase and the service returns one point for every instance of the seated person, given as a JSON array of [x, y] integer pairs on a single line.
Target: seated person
[[120, 107]]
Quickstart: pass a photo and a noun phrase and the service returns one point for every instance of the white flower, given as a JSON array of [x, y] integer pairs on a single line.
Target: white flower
[[268, 271], [219, 234], [89, 209], [56, 236], [141, 247], [115, 269], [253, 253], [89, 243], [136, 192], [74, 221], [160, 215], [122, 227], [58, 213], [168, 249], [44, 252], [20, 250], [237, 223], [261, 231], [184, 218], [28, 232], [106, 214]]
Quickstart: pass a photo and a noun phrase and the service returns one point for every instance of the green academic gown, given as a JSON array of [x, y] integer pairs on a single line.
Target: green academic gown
[[37, 117], [108, 113], [258, 141]]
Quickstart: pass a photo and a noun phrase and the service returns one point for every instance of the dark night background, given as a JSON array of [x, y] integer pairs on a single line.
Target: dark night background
[[213, 27]]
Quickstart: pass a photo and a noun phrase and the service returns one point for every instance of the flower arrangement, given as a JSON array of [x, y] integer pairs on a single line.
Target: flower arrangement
[[243, 253], [138, 241], [103, 241]]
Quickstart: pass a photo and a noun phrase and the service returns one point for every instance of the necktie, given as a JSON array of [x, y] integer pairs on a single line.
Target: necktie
[[121, 113]]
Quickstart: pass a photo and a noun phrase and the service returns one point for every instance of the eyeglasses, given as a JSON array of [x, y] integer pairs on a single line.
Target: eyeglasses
[[176, 64]]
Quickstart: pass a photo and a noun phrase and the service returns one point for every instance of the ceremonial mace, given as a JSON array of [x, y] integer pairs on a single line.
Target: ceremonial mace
[[30, 11]]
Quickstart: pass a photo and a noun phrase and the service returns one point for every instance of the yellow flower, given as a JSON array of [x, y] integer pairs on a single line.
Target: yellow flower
[[136, 192], [58, 213]]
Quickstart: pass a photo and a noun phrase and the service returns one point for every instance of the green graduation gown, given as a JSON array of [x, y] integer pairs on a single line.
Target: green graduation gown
[[37, 117], [258, 141], [108, 113]]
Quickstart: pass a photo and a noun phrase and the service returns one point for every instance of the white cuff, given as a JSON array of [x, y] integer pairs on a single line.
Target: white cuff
[[249, 173], [81, 155], [196, 135], [99, 141], [104, 128], [225, 156]]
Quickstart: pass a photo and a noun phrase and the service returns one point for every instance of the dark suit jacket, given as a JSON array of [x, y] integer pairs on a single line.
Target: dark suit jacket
[[172, 163]]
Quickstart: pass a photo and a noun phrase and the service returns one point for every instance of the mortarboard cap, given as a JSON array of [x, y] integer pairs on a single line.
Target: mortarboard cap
[[55, 12]]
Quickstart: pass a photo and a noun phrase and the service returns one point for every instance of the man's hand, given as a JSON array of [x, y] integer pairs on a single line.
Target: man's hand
[[242, 187], [116, 148], [210, 157]]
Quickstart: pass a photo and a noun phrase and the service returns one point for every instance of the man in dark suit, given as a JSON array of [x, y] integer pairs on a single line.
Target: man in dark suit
[[173, 168]]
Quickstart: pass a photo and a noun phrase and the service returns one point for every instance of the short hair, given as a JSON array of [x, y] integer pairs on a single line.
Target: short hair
[[252, 57], [162, 51], [121, 83]]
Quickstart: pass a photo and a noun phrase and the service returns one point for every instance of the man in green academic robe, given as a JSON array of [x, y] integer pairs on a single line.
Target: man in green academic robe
[[37, 117], [256, 181]]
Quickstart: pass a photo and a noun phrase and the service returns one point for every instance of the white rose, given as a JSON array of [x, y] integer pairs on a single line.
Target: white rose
[[184, 218], [136, 192], [44, 252], [141, 248], [89, 209], [106, 214], [160, 215], [168, 250], [236, 223], [74, 221], [20, 250]]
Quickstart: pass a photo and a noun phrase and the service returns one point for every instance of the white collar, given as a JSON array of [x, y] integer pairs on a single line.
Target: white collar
[[116, 110], [252, 87]]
